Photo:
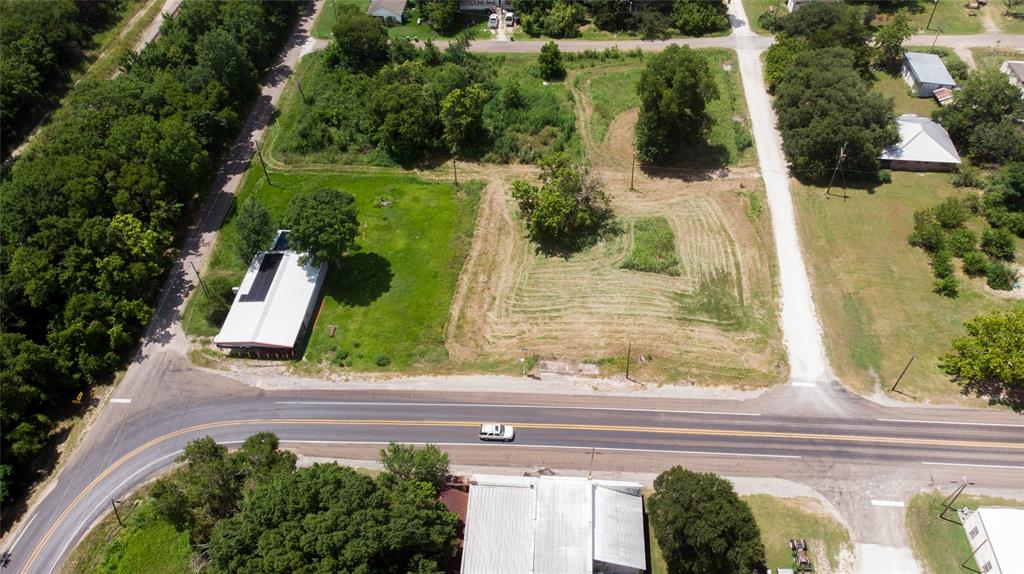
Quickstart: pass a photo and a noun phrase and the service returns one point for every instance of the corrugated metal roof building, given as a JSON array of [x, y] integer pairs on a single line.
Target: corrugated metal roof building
[[995, 534], [274, 305], [925, 73], [556, 525], [924, 146]]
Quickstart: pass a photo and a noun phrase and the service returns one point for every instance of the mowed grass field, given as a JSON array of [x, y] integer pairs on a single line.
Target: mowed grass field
[[873, 291], [390, 296], [941, 545]]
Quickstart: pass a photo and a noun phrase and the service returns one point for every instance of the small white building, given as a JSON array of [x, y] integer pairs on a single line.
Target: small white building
[[387, 9], [553, 525], [996, 536], [1014, 69], [925, 73], [794, 5], [274, 306], [924, 146]]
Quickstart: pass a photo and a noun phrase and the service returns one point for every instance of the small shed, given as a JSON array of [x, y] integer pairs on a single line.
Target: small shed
[[1014, 69], [387, 9], [925, 73], [924, 146]]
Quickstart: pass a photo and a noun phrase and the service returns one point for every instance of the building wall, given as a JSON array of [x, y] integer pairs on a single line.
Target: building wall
[[899, 165], [978, 538], [485, 4], [387, 14], [607, 568]]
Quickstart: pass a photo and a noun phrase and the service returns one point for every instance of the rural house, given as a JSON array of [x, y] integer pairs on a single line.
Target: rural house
[[387, 9], [554, 524], [926, 73], [1015, 70], [274, 306], [924, 146]]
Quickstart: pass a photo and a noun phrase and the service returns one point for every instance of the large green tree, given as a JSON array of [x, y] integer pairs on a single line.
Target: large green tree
[[824, 108], [327, 518], [441, 14], [675, 88], [255, 228], [700, 17], [550, 62], [985, 118], [462, 113], [322, 223], [569, 206], [889, 41], [361, 40], [989, 361], [702, 526], [428, 464], [834, 24]]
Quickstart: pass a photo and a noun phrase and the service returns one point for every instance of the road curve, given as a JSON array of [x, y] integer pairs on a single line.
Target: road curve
[[87, 486]]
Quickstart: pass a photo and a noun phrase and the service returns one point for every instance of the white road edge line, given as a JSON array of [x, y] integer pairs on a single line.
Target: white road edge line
[[974, 465], [121, 401], [949, 423], [616, 449], [895, 503], [22, 533], [799, 384], [477, 405]]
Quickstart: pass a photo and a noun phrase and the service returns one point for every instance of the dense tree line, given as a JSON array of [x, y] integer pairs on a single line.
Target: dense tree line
[[89, 214], [386, 101], [655, 20], [251, 510], [986, 119], [40, 44]]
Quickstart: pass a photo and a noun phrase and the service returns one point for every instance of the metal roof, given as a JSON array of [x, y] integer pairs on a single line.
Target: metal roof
[[396, 7], [273, 300], [922, 140], [552, 524], [929, 69], [1003, 527]]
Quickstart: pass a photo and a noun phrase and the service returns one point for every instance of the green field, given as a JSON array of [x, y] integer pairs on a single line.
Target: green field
[[147, 544], [390, 296], [950, 15], [939, 544], [783, 518], [873, 290], [654, 247], [612, 91]]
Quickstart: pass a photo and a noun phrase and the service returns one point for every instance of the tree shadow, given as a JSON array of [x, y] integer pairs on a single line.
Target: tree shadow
[[566, 248], [700, 161], [359, 280]]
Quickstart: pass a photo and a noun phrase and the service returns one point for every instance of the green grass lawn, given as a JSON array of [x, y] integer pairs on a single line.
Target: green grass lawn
[[754, 9], [147, 544], [873, 290], [1012, 22], [951, 16], [941, 545], [612, 92], [783, 518], [390, 296], [476, 24], [654, 247], [899, 91], [988, 59]]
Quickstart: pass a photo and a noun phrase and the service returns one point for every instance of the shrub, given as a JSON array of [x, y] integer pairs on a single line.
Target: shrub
[[550, 60], [975, 264], [998, 243], [885, 176], [382, 361], [961, 242], [951, 213], [769, 20], [699, 17], [743, 137], [942, 264], [219, 299], [967, 175], [947, 287], [927, 234], [999, 276], [340, 357]]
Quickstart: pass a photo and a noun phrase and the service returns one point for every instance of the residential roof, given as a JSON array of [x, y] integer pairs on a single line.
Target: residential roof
[[1016, 68], [929, 69], [552, 524], [271, 304], [921, 140], [1003, 527], [396, 7]]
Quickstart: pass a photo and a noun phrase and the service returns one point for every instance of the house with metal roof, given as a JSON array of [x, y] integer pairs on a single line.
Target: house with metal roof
[[1014, 69], [925, 73], [924, 146], [995, 535], [553, 525], [387, 9], [273, 308]]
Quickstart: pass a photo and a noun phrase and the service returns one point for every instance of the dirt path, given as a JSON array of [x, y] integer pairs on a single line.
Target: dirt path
[[618, 142]]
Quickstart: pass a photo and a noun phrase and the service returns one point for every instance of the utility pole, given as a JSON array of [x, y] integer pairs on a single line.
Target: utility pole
[[334, 4], [632, 169], [200, 278], [950, 500], [259, 153], [525, 351], [629, 352], [455, 170], [590, 469], [113, 504], [301, 92], [842, 156], [935, 4], [899, 378]]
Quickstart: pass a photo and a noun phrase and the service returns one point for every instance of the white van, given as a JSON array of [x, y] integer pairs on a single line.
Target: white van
[[492, 22], [492, 431]]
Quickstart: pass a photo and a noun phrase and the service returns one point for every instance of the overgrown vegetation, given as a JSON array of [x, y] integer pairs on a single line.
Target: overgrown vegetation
[[657, 20], [654, 247], [41, 43], [89, 215]]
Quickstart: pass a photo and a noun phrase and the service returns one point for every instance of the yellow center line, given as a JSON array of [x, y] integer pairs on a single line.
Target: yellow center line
[[545, 426]]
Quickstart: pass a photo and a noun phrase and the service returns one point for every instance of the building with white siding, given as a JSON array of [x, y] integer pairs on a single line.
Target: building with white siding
[[995, 535]]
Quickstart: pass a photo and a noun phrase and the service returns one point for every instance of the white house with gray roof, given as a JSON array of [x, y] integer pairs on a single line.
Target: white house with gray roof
[[553, 525], [924, 146], [387, 9], [925, 73]]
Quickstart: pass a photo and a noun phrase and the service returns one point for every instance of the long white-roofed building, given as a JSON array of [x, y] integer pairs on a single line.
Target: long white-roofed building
[[274, 307], [556, 525], [995, 537]]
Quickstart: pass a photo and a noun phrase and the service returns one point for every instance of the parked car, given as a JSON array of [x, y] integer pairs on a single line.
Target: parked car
[[510, 19], [492, 22], [498, 432]]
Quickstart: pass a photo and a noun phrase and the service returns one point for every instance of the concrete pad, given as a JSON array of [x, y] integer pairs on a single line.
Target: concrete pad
[[877, 559]]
